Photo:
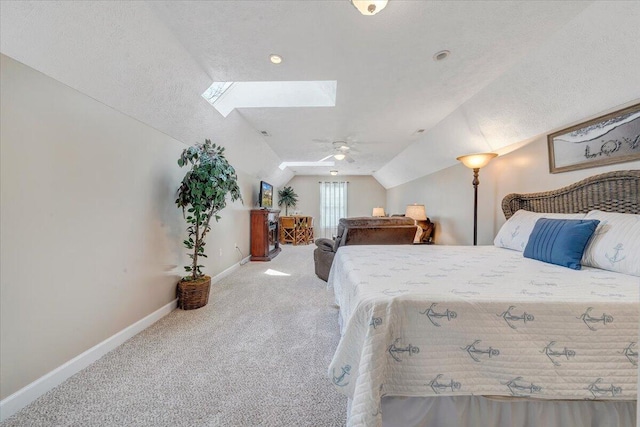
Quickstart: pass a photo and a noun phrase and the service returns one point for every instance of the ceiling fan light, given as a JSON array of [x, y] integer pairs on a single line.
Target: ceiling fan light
[[339, 156], [369, 7]]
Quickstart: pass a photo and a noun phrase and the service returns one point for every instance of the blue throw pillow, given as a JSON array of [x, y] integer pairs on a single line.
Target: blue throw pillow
[[560, 241]]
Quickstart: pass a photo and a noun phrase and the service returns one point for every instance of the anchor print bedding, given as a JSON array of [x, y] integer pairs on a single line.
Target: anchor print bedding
[[448, 320]]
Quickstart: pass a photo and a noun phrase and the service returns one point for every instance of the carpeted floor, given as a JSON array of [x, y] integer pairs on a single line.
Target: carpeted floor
[[256, 355]]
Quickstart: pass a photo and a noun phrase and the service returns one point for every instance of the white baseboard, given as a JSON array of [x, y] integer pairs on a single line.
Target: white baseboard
[[21, 398], [224, 273]]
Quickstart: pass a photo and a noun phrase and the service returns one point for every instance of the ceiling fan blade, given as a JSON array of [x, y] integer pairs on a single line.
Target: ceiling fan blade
[[349, 159], [325, 158]]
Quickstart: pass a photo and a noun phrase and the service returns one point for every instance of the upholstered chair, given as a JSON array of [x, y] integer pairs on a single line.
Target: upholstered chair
[[362, 231]]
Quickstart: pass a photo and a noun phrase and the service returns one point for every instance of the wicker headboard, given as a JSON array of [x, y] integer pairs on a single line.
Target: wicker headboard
[[616, 191]]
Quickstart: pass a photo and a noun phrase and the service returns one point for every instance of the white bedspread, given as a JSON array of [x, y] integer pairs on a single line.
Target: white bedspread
[[461, 320]]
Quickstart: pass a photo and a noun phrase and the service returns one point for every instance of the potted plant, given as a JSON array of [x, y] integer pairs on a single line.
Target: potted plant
[[202, 194], [288, 197]]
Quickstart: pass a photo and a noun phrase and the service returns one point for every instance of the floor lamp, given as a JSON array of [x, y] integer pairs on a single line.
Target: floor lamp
[[475, 162]]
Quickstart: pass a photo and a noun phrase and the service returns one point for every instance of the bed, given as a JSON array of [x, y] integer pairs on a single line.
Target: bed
[[454, 335]]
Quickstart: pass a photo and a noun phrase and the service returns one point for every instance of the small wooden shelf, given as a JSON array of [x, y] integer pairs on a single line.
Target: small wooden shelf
[[264, 234]]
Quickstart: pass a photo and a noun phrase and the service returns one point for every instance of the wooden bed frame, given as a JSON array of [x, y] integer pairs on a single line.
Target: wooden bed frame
[[617, 191]]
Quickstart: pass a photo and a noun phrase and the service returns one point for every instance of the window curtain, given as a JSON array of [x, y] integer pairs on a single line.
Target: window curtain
[[333, 206]]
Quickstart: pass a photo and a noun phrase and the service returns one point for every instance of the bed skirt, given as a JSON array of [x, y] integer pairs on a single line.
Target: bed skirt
[[461, 411]]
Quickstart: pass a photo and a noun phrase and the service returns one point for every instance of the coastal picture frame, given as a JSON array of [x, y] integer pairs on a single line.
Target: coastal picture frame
[[612, 138]]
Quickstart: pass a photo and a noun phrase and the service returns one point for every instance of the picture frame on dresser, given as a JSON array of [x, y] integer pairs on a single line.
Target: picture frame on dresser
[[608, 139]]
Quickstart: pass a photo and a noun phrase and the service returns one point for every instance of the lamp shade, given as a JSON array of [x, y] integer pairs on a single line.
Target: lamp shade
[[369, 7], [476, 161], [378, 212], [416, 211]]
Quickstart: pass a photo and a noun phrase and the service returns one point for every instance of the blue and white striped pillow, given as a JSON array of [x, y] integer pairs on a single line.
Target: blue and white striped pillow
[[560, 241]]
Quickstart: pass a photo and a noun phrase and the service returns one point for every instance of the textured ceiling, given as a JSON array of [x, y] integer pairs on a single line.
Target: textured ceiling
[[517, 70]]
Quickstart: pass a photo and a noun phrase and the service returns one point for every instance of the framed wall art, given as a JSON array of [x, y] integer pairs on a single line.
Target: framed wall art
[[612, 138]]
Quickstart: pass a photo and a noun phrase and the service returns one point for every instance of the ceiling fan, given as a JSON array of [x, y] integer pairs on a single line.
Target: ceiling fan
[[341, 151]]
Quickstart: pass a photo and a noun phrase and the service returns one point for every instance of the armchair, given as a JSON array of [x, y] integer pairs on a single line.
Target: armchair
[[362, 231]]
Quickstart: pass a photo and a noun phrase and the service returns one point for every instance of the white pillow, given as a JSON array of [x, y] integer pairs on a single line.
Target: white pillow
[[514, 234], [615, 245]]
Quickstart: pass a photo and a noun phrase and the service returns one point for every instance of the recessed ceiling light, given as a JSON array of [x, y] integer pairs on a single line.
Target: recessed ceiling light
[[275, 59], [443, 54], [334, 173]]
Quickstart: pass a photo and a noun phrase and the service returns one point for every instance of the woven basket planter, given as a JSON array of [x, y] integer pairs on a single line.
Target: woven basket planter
[[194, 293]]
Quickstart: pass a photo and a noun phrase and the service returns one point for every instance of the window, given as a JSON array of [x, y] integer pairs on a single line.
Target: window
[[333, 206]]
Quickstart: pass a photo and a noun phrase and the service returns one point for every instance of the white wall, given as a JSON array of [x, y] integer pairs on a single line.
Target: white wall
[[90, 235], [448, 194]]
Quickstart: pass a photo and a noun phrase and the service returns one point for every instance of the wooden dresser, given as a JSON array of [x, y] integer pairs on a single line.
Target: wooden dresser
[[264, 234]]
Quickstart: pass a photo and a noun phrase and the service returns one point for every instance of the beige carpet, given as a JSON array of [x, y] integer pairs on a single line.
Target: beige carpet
[[256, 355]]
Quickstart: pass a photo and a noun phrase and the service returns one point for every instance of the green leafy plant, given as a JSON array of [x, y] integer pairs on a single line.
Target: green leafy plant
[[202, 194], [288, 197]]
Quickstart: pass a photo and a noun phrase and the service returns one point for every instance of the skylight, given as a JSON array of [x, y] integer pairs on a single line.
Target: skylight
[[215, 91], [304, 164], [226, 96]]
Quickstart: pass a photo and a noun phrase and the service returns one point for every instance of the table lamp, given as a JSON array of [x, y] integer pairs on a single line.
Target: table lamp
[[416, 212], [378, 212]]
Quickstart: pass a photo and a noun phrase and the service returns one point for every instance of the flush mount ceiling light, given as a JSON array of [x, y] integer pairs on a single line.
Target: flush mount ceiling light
[[334, 173], [369, 7], [442, 55], [275, 59]]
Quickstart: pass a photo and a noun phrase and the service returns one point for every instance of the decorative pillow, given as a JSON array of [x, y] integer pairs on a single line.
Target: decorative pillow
[[615, 245], [514, 234], [560, 241]]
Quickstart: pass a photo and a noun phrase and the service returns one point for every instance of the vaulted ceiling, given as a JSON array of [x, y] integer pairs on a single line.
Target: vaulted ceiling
[[516, 70]]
